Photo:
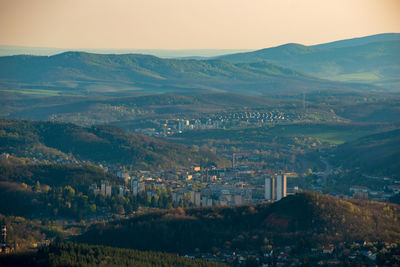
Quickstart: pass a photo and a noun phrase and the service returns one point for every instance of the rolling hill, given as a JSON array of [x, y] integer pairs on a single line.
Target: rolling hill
[[377, 154], [64, 142], [137, 110], [79, 73], [305, 219], [120, 110], [19, 177], [371, 59]]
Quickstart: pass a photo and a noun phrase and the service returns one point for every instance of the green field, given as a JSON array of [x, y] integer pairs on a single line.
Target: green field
[[34, 92], [358, 77], [329, 133], [334, 134]]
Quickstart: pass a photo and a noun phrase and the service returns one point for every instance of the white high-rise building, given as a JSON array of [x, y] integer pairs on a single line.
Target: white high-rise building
[[108, 190], [105, 189], [275, 187], [237, 199], [280, 186], [136, 186], [197, 199], [269, 188]]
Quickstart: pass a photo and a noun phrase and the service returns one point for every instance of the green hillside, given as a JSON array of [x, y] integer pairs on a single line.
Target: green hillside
[[138, 110], [41, 189], [305, 219], [372, 59], [377, 154], [107, 144], [60, 191], [79, 73], [105, 110]]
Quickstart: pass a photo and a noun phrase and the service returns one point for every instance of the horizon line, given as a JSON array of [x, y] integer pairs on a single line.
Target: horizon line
[[191, 49]]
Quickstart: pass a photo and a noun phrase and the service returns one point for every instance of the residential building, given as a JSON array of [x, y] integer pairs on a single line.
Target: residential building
[[275, 188]]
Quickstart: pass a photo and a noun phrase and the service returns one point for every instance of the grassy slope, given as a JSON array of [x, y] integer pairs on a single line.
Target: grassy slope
[[328, 133]]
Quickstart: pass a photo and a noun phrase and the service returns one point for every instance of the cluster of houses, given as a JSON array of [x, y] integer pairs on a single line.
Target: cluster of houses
[[363, 192], [355, 253], [173, 126]]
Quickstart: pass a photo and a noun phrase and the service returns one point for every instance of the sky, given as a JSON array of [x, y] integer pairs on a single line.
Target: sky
[[191, 24]]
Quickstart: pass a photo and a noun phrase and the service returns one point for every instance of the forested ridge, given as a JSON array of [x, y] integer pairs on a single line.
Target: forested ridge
[[64, 141], [72, 254], [305, 219]]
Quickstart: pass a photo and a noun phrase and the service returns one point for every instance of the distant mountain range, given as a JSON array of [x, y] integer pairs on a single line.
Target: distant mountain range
[[11, 50], [372, 59], [290, 68]]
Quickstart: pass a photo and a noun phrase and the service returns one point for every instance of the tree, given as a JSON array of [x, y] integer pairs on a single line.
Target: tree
[[92, 208], [251, 261], [36, 188], [69, 191]]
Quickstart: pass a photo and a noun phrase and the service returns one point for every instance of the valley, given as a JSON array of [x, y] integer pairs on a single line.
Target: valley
[[276, 157]]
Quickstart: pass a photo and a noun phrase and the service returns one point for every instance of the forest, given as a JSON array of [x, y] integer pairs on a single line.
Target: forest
[[108, 144], [72, 254], [303, 220]]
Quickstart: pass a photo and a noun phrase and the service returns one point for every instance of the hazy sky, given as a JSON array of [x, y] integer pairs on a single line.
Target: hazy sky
[[191, 24]]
